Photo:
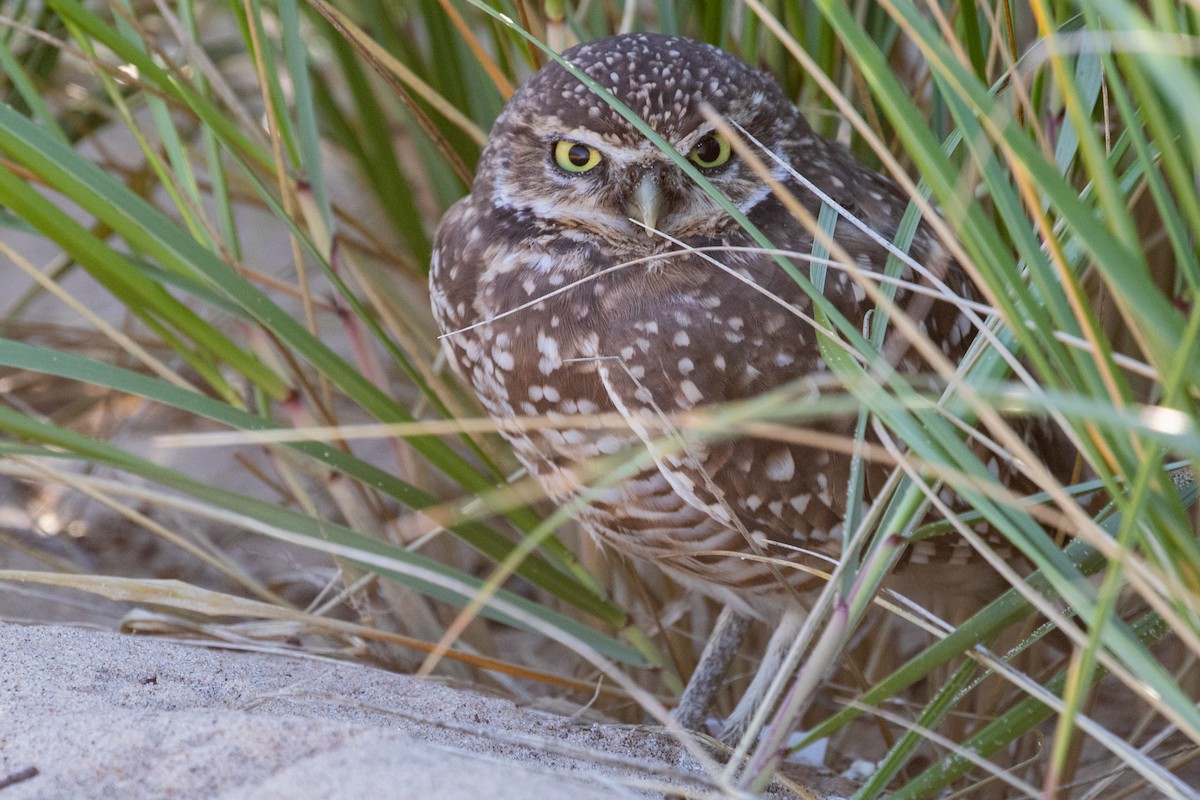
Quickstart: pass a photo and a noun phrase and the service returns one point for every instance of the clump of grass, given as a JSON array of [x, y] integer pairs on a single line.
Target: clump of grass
[[251, 188]]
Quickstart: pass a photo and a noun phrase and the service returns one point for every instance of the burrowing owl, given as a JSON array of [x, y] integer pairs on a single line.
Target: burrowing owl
[[586, 272]]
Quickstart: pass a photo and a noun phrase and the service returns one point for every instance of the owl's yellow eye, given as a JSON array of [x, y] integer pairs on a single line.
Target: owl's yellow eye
[[711, 151], [575, 157]]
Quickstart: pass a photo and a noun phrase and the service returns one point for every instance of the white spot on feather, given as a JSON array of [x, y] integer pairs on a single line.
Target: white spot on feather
[[503, 358], [691, 392], [780, 465]]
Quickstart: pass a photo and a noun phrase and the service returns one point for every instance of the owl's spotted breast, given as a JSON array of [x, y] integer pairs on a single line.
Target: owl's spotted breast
[[556, 303]]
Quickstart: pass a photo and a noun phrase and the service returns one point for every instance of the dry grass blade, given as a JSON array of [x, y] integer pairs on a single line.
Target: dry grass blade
[[185, 597], [386, 66]]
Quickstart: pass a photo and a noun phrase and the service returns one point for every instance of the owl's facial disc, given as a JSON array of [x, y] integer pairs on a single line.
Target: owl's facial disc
[[561, 155]]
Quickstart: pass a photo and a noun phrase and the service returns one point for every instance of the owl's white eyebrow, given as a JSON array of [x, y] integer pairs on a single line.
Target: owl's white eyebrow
[[580, 135], [699, 132], [592, 139]]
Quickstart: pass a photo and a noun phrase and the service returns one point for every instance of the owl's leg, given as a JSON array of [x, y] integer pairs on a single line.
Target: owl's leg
[[781, 641], [718, 653]]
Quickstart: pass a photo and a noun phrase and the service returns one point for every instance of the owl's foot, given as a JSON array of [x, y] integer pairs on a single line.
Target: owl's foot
[[738, 723], [718, 653]]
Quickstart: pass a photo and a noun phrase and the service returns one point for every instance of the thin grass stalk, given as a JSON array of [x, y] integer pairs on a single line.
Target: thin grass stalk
[[65, 365]]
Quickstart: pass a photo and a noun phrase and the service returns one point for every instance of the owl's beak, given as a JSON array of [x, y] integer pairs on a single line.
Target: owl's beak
[[646, 201]]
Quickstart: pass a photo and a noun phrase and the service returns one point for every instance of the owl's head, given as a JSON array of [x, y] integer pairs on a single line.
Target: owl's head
[[562, 156]]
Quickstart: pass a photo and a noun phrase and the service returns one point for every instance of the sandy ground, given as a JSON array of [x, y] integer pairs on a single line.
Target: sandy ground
[[99, 714]]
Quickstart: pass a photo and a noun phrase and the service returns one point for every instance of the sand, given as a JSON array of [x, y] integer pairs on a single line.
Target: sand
[[100, 714]]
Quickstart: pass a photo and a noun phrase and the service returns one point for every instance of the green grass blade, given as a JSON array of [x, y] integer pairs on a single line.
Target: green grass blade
[[534, 568], [424, 574]]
